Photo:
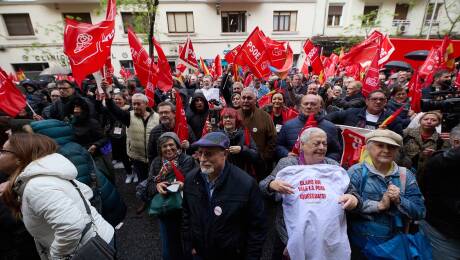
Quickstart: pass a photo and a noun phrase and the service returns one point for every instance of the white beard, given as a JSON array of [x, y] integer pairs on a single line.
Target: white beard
[[207, 170]]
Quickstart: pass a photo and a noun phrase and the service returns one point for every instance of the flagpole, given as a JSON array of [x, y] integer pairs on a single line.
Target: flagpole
[[31, 109], [432, 18]]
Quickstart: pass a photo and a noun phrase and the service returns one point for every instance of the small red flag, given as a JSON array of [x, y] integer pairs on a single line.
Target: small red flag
[[181, 128], [371, 80], [187, 55], [13, 101], [432, 62], [353, 142], [313, 56], [165, 81], [217, 67], [140, 57], [230, 56], [415, 92]]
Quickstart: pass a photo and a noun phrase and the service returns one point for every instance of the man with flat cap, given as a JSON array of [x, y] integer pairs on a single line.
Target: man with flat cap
[[223, 209]]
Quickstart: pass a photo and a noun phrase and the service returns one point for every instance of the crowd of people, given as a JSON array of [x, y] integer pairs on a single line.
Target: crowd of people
[[210, 189]]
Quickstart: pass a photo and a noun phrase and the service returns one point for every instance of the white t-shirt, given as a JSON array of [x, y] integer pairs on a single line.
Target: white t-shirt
[[371, 120], [315, 221]]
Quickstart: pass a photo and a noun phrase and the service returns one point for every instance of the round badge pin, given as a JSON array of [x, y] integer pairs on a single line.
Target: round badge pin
[[254, 130], [218, 211]]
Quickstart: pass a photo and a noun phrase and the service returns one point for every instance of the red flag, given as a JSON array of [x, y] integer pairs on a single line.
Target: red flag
[[415, 92], [111, 10], [181, 128], [247, 137], [281, 60], [107, 70], [247, 81], [432, 62], [254, 54], [457, 80], [230, 56], [125, 73], [331, 68], [217, 67], [305, 64], [165, 80], [140, 57], [13, 101], [363, 52], [447, 53], [353, 142], [386, 49], [311, 122], [371, 80], [87, 46], [313, 56], [152, 82], [187, 55]]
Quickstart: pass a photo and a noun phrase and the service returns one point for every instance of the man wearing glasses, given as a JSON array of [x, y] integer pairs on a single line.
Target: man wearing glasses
[[223, 209], [61, 109], [369, 117]]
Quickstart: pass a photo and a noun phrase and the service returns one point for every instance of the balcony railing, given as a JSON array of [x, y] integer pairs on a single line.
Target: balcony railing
[[401, 22]]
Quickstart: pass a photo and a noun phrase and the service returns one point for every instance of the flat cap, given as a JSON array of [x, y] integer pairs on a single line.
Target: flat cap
[[384, 136]]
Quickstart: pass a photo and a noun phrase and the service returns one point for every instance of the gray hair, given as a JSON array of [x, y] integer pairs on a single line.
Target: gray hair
[[208, 77], [250, 90], [141, 97], [454, 134], [307, 133]]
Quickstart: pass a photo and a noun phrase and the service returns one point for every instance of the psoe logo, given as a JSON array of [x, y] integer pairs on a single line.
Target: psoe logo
[[83, 41]]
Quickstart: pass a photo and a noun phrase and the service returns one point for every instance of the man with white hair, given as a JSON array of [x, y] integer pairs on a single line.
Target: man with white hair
[[139, 123], [439, 185]]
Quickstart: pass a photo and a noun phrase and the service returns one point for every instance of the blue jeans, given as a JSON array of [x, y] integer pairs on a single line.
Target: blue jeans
[[443, 248]]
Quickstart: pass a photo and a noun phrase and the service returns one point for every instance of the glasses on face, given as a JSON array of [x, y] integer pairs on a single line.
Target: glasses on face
[[377, 99], [228, 117], [4, 151], [206, 154]]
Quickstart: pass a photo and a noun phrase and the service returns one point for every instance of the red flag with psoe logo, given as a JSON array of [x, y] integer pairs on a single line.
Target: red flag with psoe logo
[[432, 62], [13, 101], [363, 52], [415, 92], [165, 81], [181, 128], [253, 53], [311, 122], [313, 56], [107, 70], [187, 55], [140, 57], [371, 80], [353, 143]]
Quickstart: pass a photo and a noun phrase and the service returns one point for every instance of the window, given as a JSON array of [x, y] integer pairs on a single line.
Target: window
[[18, 24], [81, 17], [370, 14], [334, 15], [284, 21], [233, 21], [32, 70], [429, 13], [401, 11], [136, 20], [127, 64], [180, 22]]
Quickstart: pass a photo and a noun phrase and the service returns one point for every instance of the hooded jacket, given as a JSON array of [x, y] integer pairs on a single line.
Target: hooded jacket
[[196, 119], [113, 208], [52, 209]]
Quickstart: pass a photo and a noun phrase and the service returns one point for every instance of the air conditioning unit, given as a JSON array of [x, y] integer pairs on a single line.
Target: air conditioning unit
[[402, 28]]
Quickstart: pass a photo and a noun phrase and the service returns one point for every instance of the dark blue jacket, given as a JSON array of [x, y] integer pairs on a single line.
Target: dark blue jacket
[[113, 208], [229, 225], [290, 132], [357, 117]]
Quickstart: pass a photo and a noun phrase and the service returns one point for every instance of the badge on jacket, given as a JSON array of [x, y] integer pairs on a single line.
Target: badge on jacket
[[218, 211]]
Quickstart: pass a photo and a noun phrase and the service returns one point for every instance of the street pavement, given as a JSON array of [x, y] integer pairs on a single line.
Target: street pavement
[[139, 236]]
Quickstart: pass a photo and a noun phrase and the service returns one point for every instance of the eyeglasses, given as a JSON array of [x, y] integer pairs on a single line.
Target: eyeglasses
[[378, 99], [227, 117], [3, 151]]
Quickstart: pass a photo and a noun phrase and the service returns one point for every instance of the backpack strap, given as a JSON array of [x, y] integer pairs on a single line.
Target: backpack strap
[[402, 178], [364, 172]]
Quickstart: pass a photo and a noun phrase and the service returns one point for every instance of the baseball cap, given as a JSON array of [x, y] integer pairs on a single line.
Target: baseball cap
[[213, 139]]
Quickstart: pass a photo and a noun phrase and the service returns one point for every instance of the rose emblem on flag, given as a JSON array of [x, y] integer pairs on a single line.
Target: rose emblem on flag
[[276, 52], [83, 41]]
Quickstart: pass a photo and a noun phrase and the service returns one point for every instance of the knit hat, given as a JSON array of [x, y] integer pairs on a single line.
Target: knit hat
[[166, 136]]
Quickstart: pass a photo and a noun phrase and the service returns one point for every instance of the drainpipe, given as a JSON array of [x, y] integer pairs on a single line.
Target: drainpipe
[[432, 18]]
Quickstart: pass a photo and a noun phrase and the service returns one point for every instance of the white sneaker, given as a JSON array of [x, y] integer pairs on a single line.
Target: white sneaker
[[118, 165], [135, 178], [129, 178]]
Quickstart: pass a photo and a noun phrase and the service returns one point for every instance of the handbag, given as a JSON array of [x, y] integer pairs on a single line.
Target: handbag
[[162, 205], [95, 247]]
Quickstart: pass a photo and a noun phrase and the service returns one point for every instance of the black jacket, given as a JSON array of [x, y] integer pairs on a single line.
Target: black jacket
[[439, 185], [196, 119], [229, 225], [356, 100], [357, 117]]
